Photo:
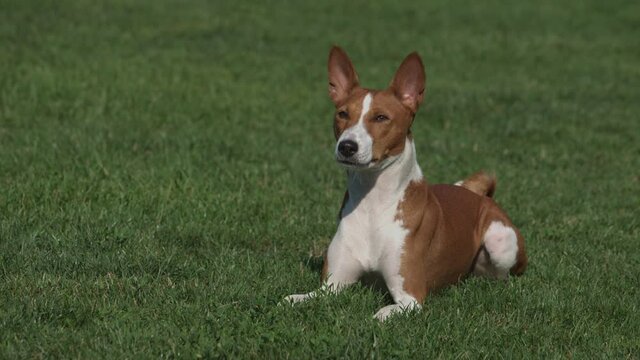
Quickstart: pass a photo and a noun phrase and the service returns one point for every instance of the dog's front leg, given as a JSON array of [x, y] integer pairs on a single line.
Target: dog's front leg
[[340, 270], [405, 299], [404, 303]]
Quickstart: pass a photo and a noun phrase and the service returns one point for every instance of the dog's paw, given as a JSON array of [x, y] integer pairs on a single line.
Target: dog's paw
[[395, 309], [387, 311], [294, 299]]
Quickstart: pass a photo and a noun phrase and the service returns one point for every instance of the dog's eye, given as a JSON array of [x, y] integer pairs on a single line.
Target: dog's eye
[[381, 118], [343, 115]]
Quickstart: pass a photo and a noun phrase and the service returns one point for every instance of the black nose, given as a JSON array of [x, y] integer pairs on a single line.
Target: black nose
[[347, 148]]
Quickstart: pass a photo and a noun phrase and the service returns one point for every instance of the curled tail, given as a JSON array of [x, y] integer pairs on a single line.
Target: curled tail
[[480, 183]]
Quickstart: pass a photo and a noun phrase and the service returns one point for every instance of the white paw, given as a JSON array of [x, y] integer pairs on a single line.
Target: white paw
[[394, 309], [296, 298], [387, 311]]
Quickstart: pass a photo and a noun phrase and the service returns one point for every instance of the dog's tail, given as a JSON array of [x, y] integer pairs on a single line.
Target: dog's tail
[[480, 183]]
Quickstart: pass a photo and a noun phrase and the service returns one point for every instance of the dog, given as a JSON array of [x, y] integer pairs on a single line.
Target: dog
[[418, 237]]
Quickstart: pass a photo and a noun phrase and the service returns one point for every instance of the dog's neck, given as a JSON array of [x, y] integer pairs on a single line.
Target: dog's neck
[[387, 181]]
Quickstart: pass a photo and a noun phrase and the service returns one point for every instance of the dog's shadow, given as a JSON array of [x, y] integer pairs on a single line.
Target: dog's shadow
[[371, 280], [314, 263]]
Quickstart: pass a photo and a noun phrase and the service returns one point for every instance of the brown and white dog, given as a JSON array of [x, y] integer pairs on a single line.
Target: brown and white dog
[[418, 237]]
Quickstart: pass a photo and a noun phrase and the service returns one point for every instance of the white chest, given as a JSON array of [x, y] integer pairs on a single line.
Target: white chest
[[371, 232]]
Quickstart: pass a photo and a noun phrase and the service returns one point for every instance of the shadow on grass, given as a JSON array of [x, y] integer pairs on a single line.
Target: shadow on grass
[[371, 280], [314, 263]]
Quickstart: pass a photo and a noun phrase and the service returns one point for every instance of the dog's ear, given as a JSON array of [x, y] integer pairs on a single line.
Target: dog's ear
[[409, 82], [342, 75]]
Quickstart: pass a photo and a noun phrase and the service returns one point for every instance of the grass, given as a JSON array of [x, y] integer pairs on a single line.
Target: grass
[[166, 175]]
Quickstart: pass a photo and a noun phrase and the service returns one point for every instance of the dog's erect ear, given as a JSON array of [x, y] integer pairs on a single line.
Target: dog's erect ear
[[342, 76], [409, 81]]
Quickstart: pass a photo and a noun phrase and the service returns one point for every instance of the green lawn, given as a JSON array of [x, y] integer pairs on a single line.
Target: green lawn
[[166, 175]]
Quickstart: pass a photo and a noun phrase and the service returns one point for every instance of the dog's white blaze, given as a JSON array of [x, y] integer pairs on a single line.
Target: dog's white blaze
[[366, 106], [360, 135], [501, 243]]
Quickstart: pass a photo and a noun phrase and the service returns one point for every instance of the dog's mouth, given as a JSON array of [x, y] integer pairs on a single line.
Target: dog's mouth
[[357, 165], [351, 163]]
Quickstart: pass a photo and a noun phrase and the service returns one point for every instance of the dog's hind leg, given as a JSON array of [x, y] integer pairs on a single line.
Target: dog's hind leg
[[499, 251]]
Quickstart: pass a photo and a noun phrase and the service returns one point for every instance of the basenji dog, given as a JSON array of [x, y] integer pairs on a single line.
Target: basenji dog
[[418, 237]]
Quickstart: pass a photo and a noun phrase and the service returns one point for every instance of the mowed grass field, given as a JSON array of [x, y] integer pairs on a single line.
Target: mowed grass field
[[167, 175]]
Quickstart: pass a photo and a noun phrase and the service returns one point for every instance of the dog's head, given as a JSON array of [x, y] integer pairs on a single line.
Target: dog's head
[[371, 125]]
